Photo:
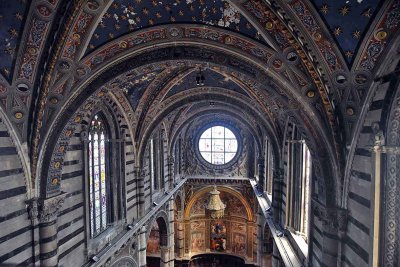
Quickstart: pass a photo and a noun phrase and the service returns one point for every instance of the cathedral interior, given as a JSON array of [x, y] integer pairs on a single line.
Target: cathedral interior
[[200, 133]]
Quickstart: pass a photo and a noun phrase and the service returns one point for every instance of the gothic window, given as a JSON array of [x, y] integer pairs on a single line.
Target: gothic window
[[298, 190], [98, 177], [268, 166], [154, 181], [161, 161], [218, 145]]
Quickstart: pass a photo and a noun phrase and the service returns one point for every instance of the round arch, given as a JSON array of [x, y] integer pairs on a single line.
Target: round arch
[[161, 219], [228, 190], [167, 53]]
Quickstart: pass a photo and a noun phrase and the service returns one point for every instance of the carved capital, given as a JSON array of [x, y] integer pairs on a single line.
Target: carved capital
[[138, 172], [49, 208], [334, 220], [342, 218], [278, 174], [33, 209]]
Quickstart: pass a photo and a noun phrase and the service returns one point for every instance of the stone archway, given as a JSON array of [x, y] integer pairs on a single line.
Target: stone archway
[[157, 250]]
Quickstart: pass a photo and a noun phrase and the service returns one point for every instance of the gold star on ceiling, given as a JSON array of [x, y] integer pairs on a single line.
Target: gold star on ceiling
[[367, 13], [13, 32], [18, 16], [356, 34], [349, 54], [324, 9], [337, 31], [6, 71], [344, 10]]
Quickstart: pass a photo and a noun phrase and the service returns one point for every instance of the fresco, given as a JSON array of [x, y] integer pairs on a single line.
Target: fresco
[[198, 206], [198, 242], [153, 244], [218, 236], [196, 225], [234, 206], [239, 243]]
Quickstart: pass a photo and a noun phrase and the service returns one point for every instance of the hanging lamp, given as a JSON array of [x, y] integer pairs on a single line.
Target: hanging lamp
[[215, 207]]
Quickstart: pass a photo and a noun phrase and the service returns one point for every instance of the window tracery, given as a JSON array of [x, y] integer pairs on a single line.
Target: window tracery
[[218, 145], [98, 178]]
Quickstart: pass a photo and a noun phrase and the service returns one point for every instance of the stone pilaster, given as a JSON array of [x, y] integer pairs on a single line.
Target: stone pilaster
[[334, 224], [180, 240], [33, 213], [171, 237], [259, 238], [278, 187], [142, 247], [166, 260], [139, 176], [261, 174], [171, 162], [48, 210]]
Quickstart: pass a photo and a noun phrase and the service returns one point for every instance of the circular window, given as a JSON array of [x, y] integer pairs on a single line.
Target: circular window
[[218, 145]]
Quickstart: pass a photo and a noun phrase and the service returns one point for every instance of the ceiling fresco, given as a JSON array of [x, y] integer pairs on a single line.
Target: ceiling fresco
[[135, 84], [348, 21], [12, 17], [212, 79], [125, 16]]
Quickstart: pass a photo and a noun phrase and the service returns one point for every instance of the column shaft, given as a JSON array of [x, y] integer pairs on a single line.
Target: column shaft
[[142, 247], [140, 178]]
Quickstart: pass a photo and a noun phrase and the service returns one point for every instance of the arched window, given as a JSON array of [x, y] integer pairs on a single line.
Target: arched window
[[298, 189], [268, 166], [98, 160]]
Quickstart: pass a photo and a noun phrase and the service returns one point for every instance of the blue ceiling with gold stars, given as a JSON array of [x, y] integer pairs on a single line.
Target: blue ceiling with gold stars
[[12, 16], [348, 21], [125, 16]]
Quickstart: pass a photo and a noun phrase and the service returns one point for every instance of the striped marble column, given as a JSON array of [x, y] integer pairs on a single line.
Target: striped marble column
[[48, 212], [142, 247], [139, 175], [171, 161], [171, 236]]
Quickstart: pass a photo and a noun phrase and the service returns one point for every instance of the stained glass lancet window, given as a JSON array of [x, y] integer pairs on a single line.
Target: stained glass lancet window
[[97, 176], [218, 145]]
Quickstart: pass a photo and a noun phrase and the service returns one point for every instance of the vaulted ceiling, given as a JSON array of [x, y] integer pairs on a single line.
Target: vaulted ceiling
[[125, 16], [348, 22], [262, 60]]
